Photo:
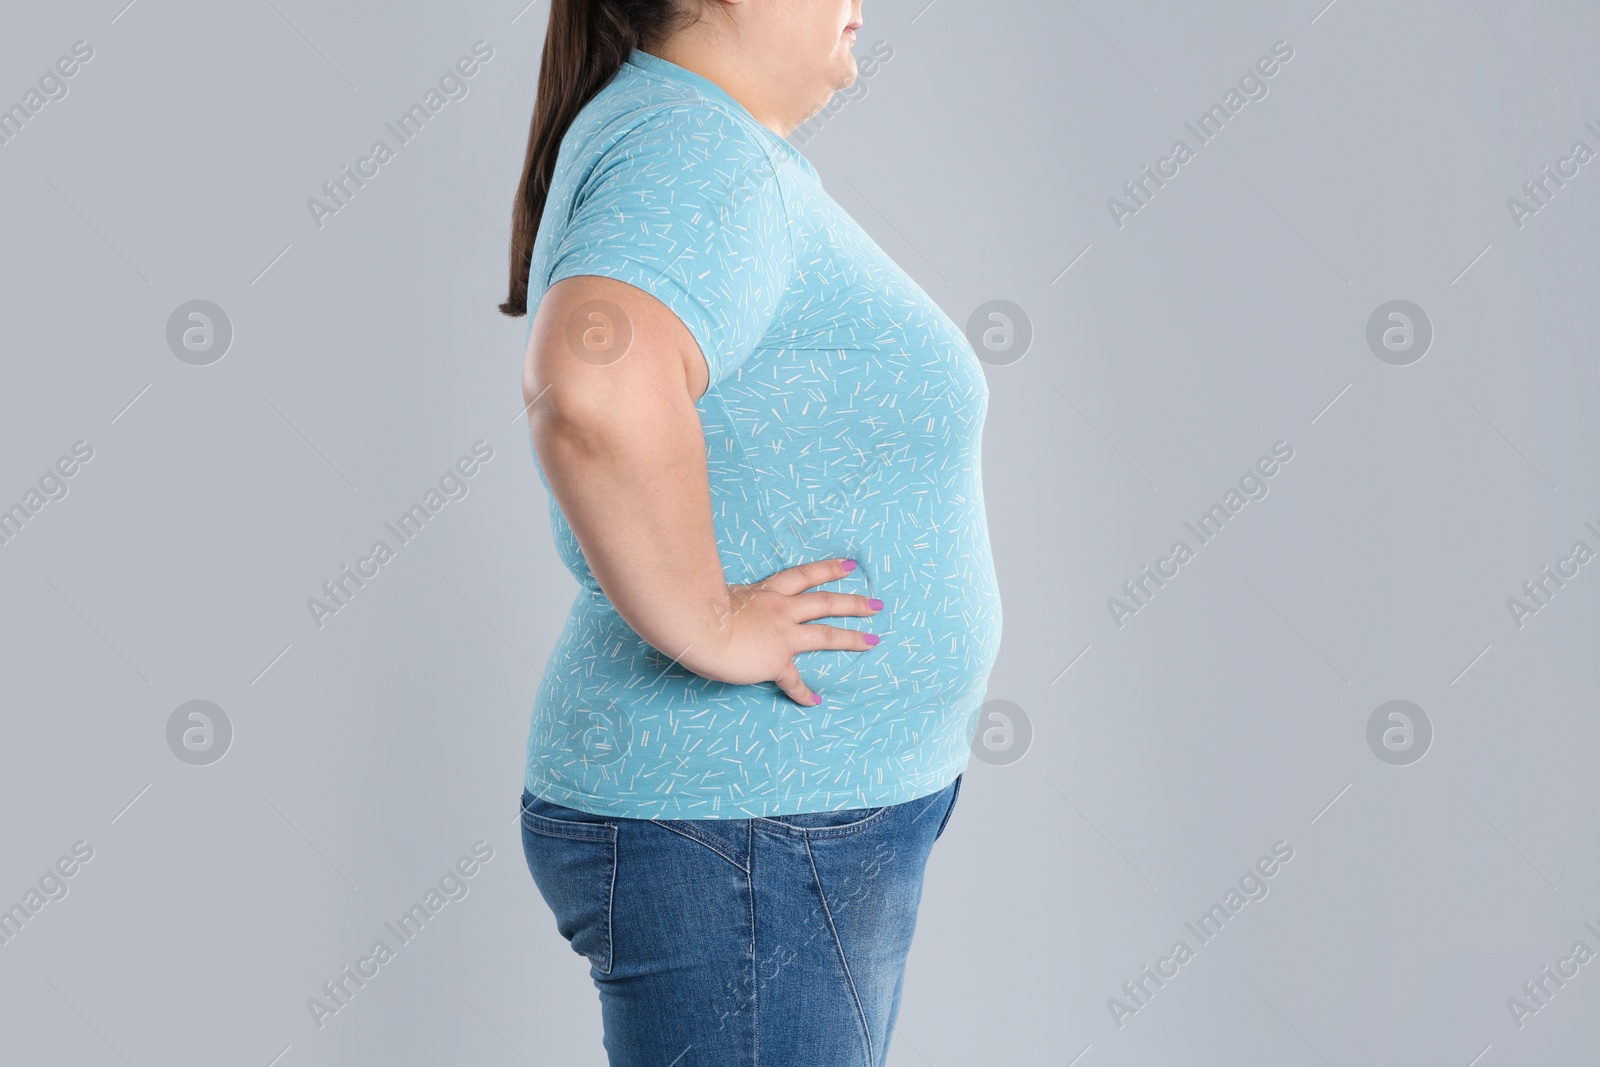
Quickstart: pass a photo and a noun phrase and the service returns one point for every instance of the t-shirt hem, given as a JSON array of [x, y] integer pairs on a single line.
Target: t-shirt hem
[[691, 806]]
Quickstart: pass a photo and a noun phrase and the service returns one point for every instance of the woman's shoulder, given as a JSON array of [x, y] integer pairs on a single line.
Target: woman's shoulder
[[635, 118]]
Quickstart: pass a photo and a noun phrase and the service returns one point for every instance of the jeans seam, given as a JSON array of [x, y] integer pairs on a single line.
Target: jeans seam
[[611, 903], [955, 795], [571, 837], [755, 974], [569, 828], [820, 832], [855, 996], [685, 832]]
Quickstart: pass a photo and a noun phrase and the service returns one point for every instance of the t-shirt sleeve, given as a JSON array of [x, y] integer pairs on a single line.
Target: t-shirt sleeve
[[687, 206]]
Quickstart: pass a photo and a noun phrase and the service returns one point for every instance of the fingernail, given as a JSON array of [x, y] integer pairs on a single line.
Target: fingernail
[[870, 639], [816, 698], [874, 603], [849, 564]]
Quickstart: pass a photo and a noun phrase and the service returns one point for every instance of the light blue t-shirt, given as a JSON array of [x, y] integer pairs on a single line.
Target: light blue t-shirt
[[843, 420]]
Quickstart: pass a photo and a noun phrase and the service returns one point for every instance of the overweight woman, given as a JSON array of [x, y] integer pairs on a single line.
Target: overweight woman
[[761, 441]]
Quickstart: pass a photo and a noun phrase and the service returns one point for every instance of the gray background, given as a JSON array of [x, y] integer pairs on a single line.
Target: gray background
[[1167, 755]]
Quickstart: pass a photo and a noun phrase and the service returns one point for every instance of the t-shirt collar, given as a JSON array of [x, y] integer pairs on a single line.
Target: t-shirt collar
[[668, 69], [665, 67]]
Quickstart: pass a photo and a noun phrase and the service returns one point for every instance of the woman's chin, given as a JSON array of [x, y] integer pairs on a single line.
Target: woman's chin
[[845, 74]]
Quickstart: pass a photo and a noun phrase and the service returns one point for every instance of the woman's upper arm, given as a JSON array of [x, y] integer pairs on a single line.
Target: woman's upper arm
[[598, 344]]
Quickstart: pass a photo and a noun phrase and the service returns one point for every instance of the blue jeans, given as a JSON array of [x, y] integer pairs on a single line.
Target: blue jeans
[[731, 942]]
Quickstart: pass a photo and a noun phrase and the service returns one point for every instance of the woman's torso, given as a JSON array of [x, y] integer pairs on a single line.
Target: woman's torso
[[853, 430]]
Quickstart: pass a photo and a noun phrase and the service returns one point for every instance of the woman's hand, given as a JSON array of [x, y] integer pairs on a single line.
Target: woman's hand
[[763, 625]]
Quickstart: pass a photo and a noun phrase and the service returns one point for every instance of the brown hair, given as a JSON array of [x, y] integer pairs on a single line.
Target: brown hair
[[584, 47]]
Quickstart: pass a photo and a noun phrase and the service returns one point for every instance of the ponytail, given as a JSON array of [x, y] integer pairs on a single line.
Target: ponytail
[[584, 47]]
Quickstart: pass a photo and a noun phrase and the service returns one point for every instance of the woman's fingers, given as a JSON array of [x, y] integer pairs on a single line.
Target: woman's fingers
[[814, 636], [819, 635], [803, 606], [789, 681], [798, 579], [822, 605]]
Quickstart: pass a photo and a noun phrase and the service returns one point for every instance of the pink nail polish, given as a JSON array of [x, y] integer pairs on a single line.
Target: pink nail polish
[[870, 639], [849, 564], [874, 603], [816, 698]]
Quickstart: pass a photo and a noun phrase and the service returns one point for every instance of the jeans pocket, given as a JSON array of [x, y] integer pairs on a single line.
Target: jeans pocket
[[838, 823], [573, 861], [954, 793]]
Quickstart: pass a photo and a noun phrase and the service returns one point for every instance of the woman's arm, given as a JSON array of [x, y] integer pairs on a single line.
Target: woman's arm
[[621, 445]]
